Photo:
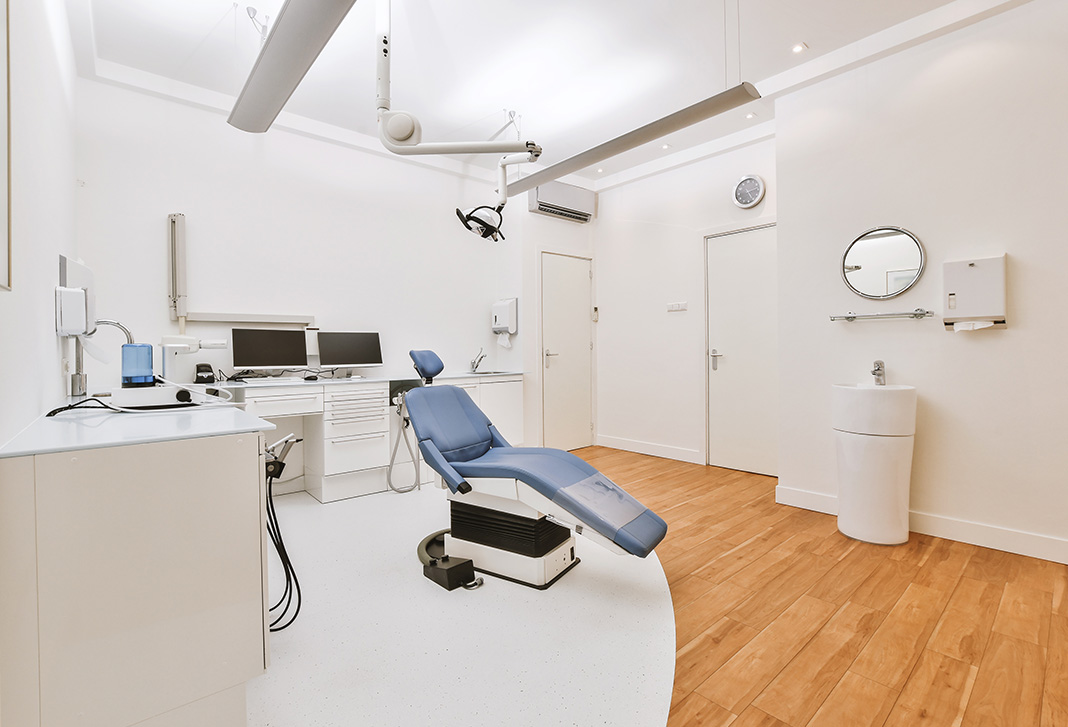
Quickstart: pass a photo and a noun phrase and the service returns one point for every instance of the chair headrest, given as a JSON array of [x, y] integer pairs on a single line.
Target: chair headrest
[[427, 363]]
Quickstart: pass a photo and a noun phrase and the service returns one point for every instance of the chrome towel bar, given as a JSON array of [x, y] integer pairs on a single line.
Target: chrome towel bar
[[917, 314]]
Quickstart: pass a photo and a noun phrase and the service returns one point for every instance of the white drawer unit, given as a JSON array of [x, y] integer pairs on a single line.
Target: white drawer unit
[[351, 436], [350, 484], [284, 401], [355, 452], [351, 412]]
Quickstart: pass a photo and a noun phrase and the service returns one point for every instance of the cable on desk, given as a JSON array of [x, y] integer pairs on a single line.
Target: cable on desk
[[83, 404]]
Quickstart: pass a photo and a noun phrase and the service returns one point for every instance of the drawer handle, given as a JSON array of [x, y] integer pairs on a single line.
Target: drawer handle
[[357, 407], [333, 416], [343, 420], [280, 399], [357, 437]]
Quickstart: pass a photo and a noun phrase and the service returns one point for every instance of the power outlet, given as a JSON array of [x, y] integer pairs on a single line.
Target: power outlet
[[675, 307]]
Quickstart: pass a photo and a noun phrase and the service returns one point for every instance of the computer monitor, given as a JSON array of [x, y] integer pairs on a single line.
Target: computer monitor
[[265, 348], [346, 349]]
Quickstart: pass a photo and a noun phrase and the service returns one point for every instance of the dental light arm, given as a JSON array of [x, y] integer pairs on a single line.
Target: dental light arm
[[400, 131]]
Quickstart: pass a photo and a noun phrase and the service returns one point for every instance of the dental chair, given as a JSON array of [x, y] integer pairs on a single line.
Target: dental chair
[[513, 509]]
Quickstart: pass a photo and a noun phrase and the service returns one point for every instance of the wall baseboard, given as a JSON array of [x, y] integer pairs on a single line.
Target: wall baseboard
[[988, 536], [651, 448], [806, 500], [1035, 545]]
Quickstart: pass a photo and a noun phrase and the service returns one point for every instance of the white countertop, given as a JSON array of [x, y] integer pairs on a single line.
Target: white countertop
[[411, 376], [92, 429]]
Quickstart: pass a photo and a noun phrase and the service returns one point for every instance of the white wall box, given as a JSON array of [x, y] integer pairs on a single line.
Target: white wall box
[[973, 291]]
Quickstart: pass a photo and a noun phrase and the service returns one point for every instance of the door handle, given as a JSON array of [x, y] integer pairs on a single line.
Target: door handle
[[714, 355], [549, 353]]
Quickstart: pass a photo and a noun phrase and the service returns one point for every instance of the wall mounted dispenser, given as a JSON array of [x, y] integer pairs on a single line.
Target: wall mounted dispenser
[[974, 294], [505, 316]]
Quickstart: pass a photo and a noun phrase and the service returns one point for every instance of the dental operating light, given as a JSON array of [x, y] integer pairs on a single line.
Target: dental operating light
[[483, 221]]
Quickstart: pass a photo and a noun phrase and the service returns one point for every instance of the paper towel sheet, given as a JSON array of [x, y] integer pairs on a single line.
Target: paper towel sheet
[[504, 340], [971, 325]]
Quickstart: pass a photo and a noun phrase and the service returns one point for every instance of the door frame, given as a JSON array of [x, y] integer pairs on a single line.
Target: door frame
[[541, 342], [706, 237]]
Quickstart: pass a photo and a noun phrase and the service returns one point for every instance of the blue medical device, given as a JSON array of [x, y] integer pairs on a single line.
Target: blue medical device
[[137, 365], [514, 508]]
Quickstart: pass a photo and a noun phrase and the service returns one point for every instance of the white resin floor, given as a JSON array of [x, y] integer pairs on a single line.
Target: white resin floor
[[378, 644]]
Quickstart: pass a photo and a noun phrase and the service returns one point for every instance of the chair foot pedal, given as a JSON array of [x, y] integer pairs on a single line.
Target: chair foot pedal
[[450, 573]]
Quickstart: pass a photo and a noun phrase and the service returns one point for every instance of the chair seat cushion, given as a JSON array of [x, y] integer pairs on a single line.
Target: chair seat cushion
[[577, 487]]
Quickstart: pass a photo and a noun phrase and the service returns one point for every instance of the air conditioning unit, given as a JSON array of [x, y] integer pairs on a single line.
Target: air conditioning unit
[[565, 201]]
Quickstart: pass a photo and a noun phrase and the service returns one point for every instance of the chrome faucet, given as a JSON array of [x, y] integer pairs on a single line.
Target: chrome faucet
[[879, 372], [477, 360]]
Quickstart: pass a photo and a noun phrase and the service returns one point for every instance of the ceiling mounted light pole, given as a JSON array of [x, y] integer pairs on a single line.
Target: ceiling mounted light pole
[[732, 98], [298, 36]]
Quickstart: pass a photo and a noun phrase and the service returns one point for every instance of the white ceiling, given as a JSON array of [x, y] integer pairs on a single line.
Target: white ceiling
[[575, 72]]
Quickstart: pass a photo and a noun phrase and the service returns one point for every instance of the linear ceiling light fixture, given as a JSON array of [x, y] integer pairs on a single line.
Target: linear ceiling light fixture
[[299, 34], [730, 99]]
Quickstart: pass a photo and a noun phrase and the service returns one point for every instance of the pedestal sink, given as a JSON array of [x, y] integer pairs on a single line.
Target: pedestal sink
[[874, 431]]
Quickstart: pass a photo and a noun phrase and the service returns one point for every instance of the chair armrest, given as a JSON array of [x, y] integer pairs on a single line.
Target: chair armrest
[[497, 440], [440, 465]]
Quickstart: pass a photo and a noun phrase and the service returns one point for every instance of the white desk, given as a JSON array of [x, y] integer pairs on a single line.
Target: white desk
[[349, 427], [133, 569]]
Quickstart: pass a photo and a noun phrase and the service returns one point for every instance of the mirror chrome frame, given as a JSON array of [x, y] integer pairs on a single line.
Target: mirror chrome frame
[[915, 279]]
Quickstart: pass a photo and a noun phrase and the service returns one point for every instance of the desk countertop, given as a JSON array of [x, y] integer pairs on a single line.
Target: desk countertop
[[267, 382], [93, 429]]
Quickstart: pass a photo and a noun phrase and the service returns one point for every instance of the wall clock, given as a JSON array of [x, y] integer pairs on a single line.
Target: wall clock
[[749, 191]]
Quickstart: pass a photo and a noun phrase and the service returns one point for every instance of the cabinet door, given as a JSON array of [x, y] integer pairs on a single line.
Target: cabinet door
[[502, 402], [150, 577]]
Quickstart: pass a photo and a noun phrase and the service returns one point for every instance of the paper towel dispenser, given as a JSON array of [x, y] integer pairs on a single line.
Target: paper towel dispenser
[[973, 293], [505, 316]]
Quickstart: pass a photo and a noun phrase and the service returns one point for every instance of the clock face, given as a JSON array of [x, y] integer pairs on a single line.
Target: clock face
[[749, 191]]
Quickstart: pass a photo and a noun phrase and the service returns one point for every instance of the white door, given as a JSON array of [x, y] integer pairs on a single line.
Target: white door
[[743, 384], [567, 351]]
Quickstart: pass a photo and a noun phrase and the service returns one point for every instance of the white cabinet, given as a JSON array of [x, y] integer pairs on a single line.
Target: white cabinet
[[500, 397], [139, 577]]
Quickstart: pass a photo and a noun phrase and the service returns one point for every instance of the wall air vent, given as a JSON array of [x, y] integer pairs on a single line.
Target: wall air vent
[[564, 201]]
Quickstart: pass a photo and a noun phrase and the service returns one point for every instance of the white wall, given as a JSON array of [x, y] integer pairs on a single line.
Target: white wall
[[280, 223], [961, 141], [650, 252], [42, 210]]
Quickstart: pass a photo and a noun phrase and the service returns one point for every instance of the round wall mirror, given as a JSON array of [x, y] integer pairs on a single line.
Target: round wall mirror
[[883, 262]]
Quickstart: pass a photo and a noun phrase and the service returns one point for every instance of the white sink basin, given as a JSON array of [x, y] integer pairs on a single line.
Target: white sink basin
[[869, 409]]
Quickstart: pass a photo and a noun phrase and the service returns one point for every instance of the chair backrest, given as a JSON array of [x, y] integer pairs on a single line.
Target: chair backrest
[[448, 417]]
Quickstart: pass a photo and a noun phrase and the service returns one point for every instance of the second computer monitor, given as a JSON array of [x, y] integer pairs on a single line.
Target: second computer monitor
[[346, 349]]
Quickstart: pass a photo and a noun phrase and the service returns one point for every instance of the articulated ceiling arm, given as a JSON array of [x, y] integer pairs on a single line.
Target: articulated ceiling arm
[[400, 131]]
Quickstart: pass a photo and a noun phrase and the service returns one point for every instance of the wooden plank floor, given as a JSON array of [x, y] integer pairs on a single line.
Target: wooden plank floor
[[782, 621]]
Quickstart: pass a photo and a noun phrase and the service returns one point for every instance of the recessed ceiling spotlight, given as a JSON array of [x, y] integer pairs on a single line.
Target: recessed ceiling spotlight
[[600, 171], [665, 146], [800, 47], [750, 115]]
